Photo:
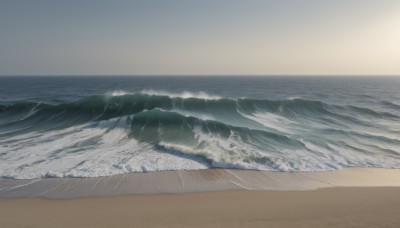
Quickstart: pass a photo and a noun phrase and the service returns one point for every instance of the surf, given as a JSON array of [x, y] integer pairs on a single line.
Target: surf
[[123, 132]]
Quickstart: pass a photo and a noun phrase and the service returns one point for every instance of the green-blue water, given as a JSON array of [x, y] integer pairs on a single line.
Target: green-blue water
[[100, 126]]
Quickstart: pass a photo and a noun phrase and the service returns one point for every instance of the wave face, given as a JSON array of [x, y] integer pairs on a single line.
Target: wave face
[[150, 131]]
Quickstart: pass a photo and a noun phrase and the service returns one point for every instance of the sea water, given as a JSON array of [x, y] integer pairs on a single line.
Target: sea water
[[88, 126]]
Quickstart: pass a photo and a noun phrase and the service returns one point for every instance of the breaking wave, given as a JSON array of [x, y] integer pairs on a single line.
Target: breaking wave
[[123, 132]]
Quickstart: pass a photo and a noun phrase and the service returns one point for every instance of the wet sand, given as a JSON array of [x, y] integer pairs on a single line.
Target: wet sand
[[196, 181], [206, 198]]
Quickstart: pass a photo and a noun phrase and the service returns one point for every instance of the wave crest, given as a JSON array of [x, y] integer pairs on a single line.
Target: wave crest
[[120, 132]]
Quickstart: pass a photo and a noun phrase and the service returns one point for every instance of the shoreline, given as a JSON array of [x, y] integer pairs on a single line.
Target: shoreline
[[327, 207], [193, 181], [207, 198]]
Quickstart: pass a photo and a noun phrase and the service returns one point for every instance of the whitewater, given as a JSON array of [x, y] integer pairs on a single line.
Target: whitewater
[[152, 127]]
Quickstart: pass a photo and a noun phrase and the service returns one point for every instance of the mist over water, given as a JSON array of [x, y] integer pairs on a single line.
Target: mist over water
[[100, 126]]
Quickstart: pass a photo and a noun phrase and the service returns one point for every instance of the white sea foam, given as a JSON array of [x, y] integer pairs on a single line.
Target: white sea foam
[[31, 112], [271, 120], [295, 98], [184, 94], [95, 149], [198, 115], [116, 93]]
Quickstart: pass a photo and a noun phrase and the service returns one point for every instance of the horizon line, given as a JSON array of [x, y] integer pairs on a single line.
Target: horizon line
[[194, 75]]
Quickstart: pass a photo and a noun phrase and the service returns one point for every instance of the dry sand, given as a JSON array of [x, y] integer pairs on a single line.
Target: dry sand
[[206, 198], [328, 207]]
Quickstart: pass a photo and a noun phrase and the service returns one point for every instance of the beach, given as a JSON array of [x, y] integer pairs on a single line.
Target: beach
[[206, 198], [329, 207]]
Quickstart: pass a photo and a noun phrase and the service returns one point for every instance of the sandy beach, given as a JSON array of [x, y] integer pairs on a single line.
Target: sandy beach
[[330, 207], [206, 198]]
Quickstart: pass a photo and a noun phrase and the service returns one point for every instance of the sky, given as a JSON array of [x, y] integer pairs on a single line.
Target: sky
[[202, 37]]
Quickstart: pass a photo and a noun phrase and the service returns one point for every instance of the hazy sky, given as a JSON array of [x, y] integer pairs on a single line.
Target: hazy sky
[[199, 37]]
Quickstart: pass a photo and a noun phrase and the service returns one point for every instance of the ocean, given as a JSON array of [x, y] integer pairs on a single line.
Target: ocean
[[89, 126]]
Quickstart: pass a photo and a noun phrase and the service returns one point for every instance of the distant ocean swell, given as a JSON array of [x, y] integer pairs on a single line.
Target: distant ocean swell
[[149, 131]]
